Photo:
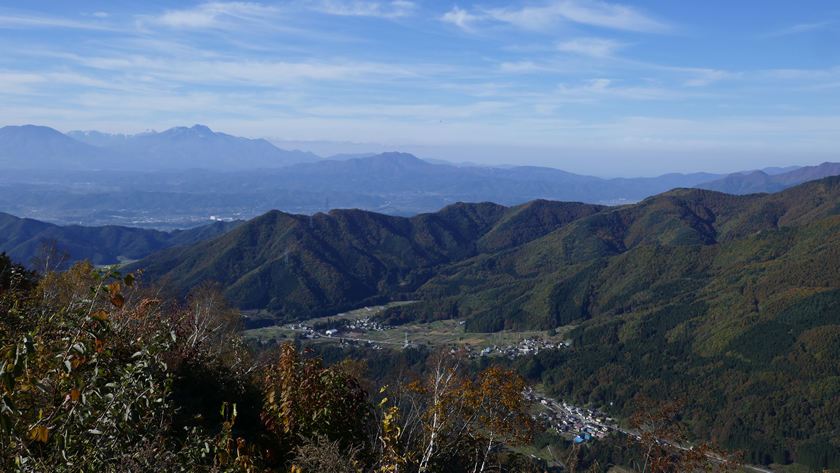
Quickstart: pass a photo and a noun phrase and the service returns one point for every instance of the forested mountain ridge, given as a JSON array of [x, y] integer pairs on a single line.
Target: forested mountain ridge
[[748, 332], [329, 261], [297, 265], [369, 254], [21, 238]]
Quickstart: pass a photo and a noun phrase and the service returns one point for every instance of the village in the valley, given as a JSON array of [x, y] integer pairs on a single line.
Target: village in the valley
[[585, 424], [368, 331], [362, 328]]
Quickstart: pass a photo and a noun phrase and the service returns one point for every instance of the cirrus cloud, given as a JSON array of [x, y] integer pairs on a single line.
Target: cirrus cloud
[[544, 17], [595, 47], [393, 9], [210, 14]]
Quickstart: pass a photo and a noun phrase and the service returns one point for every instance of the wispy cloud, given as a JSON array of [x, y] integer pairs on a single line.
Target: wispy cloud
[[771, 126], [520, 67], [461, 17], [48, 22], [801, 28], [393, 9], [800, 74], [595, 47], [209, 15], [19, 82], [703, 77], [603, 88], [248, 72], [221, 14], [34, 83], [423, 112], [695, 76], [541, 18]]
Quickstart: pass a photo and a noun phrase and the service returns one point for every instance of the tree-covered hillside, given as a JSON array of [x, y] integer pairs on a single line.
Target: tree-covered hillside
[[727, 301], [528, 265], [299, 266], [22, 238]]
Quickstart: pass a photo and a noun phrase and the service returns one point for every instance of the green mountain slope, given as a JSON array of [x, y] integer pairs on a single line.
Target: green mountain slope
[[484, 255], [748, 332], [727, 301], [298, 266]]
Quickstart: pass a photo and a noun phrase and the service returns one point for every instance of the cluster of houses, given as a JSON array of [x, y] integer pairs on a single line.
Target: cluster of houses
[[584, 424], [306, 330], [525, 347], [366, 324]]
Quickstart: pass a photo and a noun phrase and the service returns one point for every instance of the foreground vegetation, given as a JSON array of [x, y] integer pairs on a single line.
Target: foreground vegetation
[[100, 373]]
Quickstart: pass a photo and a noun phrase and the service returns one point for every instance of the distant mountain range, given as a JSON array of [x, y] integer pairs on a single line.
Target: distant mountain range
[[344, 157], [764, 181], [38, 147], [468, 164], [180, 177], [104, 140], [393, 183]]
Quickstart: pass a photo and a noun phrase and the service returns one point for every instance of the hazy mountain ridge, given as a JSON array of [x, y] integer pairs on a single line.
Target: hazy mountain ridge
[[35, 147], [27, 146], [392, 183], [20, 238], [761, 181], [200, 147], [399, 174], [104, 140]]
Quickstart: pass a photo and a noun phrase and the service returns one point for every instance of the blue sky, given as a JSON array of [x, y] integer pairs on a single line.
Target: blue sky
[[602, 88]]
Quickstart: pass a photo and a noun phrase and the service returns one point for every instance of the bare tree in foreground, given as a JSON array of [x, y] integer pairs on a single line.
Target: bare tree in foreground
[[48, 257]]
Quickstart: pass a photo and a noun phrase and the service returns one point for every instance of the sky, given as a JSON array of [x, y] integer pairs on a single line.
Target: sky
[[600, 88]]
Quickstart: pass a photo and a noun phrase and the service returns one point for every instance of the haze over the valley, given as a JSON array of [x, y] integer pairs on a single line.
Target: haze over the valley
[[185, 177]]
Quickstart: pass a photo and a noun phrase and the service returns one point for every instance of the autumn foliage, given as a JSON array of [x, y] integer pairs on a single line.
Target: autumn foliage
[[664, 442], [100, 373], [445, 421]]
